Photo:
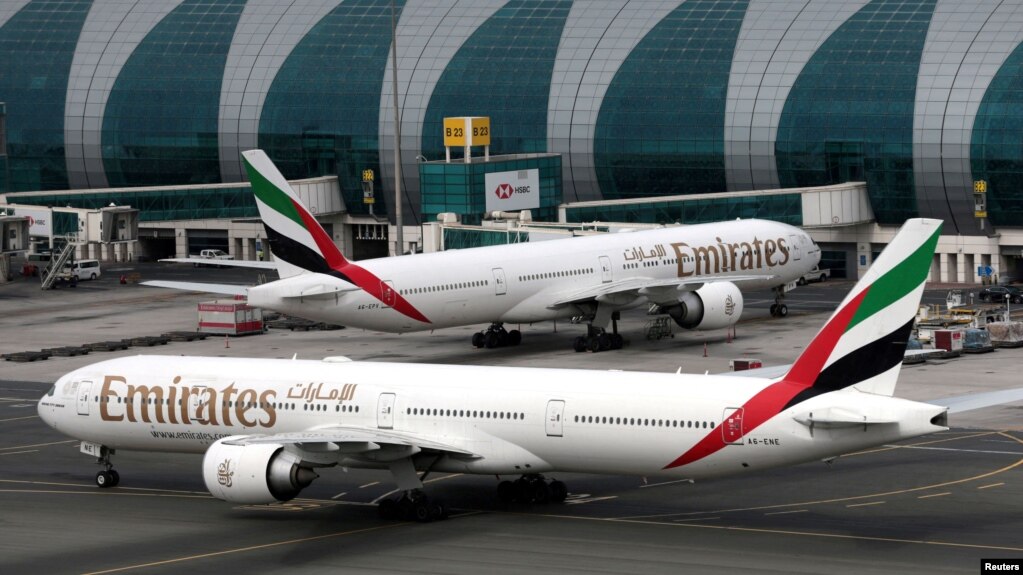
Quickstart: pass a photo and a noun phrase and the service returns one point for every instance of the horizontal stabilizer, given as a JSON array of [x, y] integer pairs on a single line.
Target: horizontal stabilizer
[[322, 291], [224, 263], [225, 289], [771, 372], [971, 401], [840, 417]]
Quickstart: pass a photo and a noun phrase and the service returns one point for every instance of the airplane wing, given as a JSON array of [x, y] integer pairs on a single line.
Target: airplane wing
[[971, 401], [656, 290], [225, 289], [224, 263], [355, 441]]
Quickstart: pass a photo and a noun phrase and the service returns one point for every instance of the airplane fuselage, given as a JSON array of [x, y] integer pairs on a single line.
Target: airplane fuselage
[[523, 283], [515, 420]]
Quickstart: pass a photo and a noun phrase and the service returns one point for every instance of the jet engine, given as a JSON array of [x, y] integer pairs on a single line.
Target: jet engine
[[254, 474], [713, 306]]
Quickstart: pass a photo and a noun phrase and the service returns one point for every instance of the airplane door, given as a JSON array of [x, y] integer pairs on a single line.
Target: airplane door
[[555, 414], [500, 286], [605, 269], [387, 292], [385, 411], [197, 403], [794, 249], [84, 387], [731, 426]]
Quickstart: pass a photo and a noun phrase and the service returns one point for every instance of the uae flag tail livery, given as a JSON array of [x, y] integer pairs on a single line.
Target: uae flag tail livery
[[299, 243], [860, 349]]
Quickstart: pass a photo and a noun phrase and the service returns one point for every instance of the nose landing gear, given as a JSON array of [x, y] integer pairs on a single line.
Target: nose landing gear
[[108, 477], [778, 308], [413, 505]]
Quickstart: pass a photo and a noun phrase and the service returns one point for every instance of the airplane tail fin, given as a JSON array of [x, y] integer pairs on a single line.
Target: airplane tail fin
[[298, 242], [863, 343]]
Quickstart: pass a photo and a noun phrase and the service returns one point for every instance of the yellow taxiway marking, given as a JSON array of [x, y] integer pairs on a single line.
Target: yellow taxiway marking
[[93, 486], [246, 549], [855, 497], [947, 439], [869, 503], [38, 445], [990, 485], [370, 484], [106, 492], [19, 418], [942, 494], [18, 452]]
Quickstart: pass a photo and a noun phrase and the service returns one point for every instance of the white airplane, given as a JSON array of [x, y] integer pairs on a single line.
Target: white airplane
[[692, 273], [267, 425]]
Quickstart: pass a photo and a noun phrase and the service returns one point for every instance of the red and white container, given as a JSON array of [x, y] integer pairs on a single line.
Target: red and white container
[[229, 317]]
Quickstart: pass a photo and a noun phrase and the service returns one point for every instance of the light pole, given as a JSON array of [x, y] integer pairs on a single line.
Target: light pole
[[399, 241]]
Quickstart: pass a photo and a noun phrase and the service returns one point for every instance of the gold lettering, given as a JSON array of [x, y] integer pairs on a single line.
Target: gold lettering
[[680, 257], [108, 393], [784, 250], [747, 256], [241, 407], [148, 396], [266, 398], [756, 248], [705, 254], [229, 392], [769, 248]]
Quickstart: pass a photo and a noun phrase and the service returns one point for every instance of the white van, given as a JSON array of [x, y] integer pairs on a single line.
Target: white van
[[83, 270]]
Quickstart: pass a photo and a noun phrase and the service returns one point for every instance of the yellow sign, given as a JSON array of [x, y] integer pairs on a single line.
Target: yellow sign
[[980, 187], [367, 175], [480, 131], [454, 132], [467, 131], [980, 214]]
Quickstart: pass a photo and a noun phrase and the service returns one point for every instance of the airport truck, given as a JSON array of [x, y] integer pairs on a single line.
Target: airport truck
[[815, 275], [212, 255]]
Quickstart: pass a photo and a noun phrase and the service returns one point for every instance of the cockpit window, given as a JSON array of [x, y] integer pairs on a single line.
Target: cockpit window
[[53, 389]]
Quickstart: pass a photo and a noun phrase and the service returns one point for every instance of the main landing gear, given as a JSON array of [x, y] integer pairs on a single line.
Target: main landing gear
[[778, 308], [109, 477], [532, 488], [413, 505], [496, 336], [598, 339]]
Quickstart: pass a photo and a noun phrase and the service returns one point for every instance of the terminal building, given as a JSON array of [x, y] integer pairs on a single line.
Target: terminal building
[[636, 111]]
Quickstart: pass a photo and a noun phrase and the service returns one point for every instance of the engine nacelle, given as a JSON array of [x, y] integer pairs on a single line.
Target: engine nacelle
[[713, 306], [254, 474]]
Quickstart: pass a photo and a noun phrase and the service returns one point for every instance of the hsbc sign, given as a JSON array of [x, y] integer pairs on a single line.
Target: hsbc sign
[[511, 191]]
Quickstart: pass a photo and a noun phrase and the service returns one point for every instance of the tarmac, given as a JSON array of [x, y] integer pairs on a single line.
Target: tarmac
[[938, 503]]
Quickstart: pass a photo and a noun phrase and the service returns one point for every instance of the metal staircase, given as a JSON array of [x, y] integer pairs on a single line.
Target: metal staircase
[[50, 275]]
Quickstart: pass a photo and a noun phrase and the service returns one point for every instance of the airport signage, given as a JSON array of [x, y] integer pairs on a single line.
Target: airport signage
[[40, 220], [464, 131], [510, 191]]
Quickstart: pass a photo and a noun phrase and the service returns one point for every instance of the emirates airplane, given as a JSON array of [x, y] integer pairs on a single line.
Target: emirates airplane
[[267, 426], [692, 273]]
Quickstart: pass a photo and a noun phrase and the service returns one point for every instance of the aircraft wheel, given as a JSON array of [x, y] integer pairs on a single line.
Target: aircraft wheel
[[559, 491], [506, 492], [478, 340], [438, 510], [104, 479], [783, 310], [541, 492], [389, 509], [491, 340], [617, 341], [523, 491], [593, 344], [502, 338], [514, 337], [116, 477], [422, 511], [774, 310], [604, 340], [579, 344]]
